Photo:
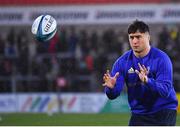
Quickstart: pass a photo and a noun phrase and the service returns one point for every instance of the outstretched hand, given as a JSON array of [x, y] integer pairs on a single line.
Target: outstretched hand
[[110, 81], [142, 73]]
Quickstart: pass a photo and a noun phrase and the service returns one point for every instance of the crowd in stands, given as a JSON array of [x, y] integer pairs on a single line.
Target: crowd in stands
[[75, 2], [73, 61]]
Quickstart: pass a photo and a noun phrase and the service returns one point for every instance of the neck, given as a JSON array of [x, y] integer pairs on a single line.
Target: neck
[[142, 53]]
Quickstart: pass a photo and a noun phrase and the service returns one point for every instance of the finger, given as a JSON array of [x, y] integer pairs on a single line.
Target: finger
[[104, 78], [140, 67], [107, 72], [104, 84], [137, 72], [116, 75], [144, 68]]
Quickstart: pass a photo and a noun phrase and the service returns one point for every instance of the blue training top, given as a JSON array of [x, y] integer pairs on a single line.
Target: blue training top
[[153, 96]]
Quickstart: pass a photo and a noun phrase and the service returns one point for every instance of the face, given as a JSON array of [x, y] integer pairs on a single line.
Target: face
[[139, 42]]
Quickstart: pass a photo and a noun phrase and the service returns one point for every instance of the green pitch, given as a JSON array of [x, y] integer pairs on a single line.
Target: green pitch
[[106, 119]]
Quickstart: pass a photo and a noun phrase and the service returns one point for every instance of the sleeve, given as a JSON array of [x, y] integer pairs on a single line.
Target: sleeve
[[115, 92], [162, 84]]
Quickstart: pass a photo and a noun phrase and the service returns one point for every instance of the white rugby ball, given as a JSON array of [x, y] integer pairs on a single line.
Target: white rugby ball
[[44, 27]]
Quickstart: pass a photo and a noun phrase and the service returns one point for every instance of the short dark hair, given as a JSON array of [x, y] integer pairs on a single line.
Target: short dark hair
[[138, 26]]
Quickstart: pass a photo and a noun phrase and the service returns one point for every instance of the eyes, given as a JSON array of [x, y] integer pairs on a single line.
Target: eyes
[[131, 37]]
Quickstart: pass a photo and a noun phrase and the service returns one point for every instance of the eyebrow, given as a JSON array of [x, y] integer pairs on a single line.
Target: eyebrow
[[136, 36]]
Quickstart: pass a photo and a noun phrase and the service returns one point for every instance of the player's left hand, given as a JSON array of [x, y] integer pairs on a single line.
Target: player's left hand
[[142, 73]]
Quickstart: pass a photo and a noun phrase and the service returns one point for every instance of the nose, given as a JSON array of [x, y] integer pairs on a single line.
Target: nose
[[135, 40]]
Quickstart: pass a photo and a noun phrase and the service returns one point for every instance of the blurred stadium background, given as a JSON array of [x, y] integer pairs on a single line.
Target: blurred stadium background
[[59, 82]]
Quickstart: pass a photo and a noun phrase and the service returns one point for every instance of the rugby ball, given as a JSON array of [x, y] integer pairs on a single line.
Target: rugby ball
[[44, 27]]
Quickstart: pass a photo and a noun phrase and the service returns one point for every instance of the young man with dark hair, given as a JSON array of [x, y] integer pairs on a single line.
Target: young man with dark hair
[[148, 75]]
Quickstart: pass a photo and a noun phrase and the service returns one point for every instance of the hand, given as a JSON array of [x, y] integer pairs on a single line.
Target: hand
[[143, 73], [110, 81]]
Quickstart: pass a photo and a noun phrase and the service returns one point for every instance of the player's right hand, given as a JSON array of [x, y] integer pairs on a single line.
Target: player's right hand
[[110, 81]]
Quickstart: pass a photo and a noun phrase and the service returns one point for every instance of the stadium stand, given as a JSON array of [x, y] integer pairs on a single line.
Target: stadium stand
[[76, 58], [74, 2]]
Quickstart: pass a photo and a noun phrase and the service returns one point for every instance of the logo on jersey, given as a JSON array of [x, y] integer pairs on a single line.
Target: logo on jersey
[[131, 70]]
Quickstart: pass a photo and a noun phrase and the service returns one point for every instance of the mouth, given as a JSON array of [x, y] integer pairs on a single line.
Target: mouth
[[135, 47]]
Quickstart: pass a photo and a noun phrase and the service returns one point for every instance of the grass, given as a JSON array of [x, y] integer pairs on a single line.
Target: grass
[[34, 119], [25, 119]]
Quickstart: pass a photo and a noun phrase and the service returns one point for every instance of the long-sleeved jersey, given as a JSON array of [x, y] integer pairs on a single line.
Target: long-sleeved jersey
[[158, 93]]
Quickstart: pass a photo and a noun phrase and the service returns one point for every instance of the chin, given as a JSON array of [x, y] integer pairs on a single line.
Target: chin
[[137, 51]]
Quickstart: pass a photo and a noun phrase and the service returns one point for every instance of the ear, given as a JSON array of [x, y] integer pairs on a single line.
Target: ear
[[149, 37]]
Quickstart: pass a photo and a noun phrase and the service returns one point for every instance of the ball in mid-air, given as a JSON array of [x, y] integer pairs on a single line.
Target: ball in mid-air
[[44, 27]]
